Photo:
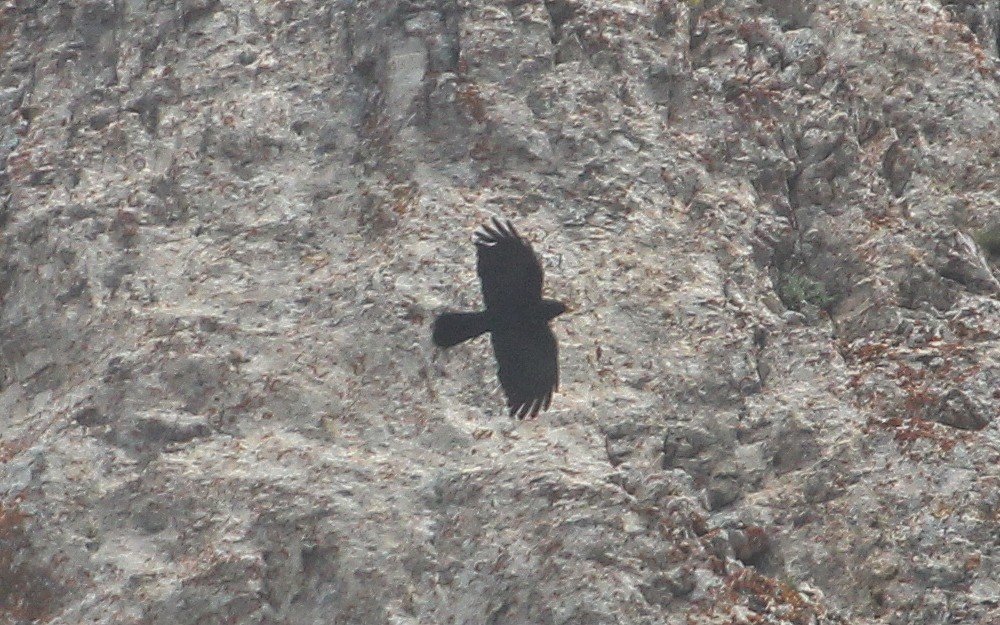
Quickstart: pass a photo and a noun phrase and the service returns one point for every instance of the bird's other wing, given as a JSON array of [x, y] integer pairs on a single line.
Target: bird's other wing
[[528, 361], [508, 269]]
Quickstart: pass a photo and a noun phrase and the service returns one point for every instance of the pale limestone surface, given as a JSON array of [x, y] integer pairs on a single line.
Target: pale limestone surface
[[227, 226]]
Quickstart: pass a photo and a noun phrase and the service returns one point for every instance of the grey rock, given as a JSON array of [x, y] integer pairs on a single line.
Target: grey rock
[[225, 229]]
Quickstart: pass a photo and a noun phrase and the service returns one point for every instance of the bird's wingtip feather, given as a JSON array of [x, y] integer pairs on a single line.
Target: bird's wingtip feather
[[491, 233]]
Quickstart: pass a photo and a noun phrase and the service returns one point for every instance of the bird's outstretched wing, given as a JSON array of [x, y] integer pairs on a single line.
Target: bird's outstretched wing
[[528, 360], [508, 269]]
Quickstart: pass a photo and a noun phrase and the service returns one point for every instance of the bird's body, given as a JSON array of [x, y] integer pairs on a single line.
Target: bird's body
[[516, 316]]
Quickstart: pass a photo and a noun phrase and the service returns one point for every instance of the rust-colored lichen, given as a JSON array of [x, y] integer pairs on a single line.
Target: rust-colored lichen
[[27, 592], [772, 596]]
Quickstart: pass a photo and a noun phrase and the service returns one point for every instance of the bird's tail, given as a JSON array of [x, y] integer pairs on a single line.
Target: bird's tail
[[452, 328]]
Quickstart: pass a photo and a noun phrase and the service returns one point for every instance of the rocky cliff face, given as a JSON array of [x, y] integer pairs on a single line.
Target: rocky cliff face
[[226, 228]]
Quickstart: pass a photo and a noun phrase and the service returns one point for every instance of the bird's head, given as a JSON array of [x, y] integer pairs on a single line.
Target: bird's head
[[551, 308]]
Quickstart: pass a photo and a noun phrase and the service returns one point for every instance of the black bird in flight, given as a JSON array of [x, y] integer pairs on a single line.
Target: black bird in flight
[[516, 317]]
